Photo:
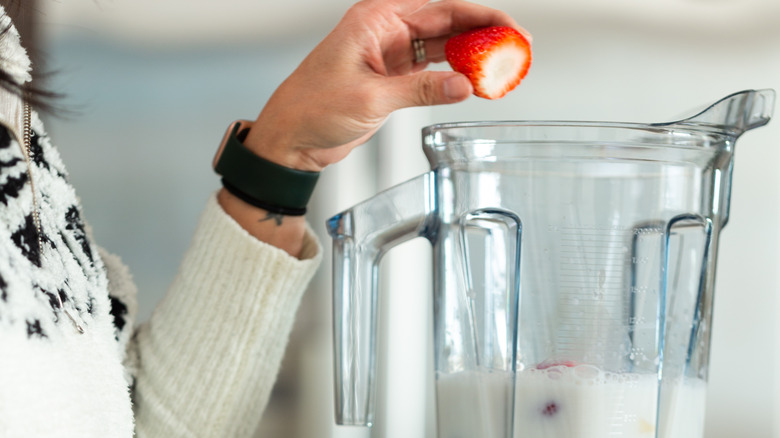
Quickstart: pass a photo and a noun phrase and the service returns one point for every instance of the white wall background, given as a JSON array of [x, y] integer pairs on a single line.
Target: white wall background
[[156, 82]]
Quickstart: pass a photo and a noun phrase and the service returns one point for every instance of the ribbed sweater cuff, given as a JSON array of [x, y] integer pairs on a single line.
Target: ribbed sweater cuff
[[210, 353]]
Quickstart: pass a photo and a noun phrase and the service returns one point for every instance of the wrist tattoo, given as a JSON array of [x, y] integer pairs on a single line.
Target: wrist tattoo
[[276, 217]]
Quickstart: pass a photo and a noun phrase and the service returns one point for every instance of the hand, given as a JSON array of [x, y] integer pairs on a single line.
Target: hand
[[344, 90], [361, 72]]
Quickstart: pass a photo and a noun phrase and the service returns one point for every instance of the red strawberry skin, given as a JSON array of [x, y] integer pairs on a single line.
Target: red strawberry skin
[[495, 59]]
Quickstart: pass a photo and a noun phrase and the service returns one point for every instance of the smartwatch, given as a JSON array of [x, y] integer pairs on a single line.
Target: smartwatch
[[259, 182]]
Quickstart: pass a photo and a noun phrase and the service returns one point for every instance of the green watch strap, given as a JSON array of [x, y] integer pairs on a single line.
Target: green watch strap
[[268, 184]]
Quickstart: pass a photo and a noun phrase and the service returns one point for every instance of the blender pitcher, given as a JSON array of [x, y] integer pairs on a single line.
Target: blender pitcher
[[573, 265]]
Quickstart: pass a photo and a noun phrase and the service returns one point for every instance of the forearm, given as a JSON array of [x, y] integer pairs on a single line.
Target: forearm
[[209, 355], [284, 232]]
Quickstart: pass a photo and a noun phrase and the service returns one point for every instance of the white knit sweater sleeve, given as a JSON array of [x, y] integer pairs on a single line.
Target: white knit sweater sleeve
[[209, 355]]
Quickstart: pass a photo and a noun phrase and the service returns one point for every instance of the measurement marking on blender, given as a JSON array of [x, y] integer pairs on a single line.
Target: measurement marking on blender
[[591, 288], [591, 274], [602, 300], [575, 272], [597, 273], [608, 244], [605, 255], [601, 248], [599, 238], [576, 331], [591, 238], [604, 229]]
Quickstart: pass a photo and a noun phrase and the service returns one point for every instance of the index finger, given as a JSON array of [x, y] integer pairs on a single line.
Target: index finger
[[455, 16]]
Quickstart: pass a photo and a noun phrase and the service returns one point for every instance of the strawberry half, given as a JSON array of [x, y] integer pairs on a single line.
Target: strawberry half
[[495, 59], [549, 363]]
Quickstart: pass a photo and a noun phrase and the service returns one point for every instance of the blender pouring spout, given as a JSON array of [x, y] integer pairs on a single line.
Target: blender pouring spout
[[732, 115]]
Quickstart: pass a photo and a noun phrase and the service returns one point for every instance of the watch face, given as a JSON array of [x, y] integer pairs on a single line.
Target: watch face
[[232, 130]]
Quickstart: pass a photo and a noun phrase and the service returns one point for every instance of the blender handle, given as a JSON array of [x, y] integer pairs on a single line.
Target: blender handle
[[361, 235]]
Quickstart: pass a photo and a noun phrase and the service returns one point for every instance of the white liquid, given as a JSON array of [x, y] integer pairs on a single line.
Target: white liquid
[[569, 402]]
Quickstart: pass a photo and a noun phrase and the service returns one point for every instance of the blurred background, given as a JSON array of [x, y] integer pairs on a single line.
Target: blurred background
[[154, 83]]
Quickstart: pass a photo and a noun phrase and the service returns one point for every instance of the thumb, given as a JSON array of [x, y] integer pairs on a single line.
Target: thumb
[[427, 88]]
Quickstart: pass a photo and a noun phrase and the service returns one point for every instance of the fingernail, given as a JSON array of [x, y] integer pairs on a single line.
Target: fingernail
[[457, 88], [526, 34]]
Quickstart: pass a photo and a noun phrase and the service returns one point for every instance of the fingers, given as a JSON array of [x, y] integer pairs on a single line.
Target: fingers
[[403, 7], [434, 49], [425, 88], [455, 16]]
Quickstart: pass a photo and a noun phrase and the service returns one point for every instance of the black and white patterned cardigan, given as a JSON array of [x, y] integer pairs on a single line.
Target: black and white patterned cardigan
[[205, 363], [42, 276]]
